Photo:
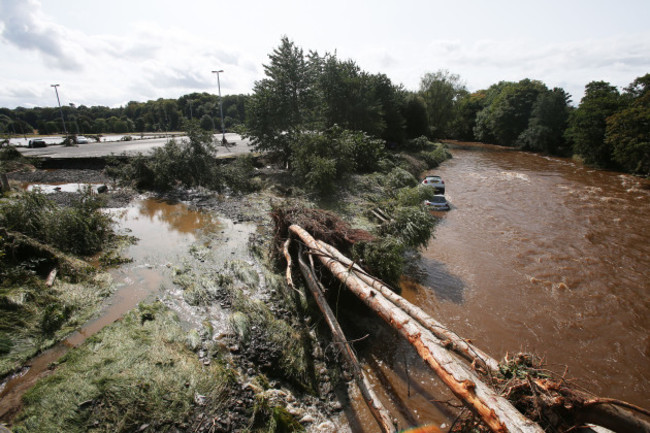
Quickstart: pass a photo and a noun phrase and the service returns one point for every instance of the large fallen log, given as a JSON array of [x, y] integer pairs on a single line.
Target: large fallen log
[[460, 346], [495, 411], [379, 412]]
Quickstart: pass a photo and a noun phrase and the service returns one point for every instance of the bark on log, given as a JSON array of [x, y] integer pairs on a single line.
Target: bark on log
[[457, 344], [287, 257], [379, 412], [612, 418], [497, 413]]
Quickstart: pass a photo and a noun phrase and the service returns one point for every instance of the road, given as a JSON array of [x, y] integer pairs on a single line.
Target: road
[[236, 145]]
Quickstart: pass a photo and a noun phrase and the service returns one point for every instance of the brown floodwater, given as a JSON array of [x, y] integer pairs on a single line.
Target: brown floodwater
[[538, 254], [164, 231]]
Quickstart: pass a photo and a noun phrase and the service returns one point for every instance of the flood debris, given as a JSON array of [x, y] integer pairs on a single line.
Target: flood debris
[[516, 395]]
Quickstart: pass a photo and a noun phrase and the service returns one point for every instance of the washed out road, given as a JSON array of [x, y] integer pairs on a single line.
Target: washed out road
[[236, 145]]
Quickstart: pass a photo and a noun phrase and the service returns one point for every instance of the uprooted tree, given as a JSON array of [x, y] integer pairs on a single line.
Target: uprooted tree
[[529, 398]]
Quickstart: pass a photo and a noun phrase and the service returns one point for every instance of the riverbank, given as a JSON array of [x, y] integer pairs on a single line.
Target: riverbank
[[225, 311]]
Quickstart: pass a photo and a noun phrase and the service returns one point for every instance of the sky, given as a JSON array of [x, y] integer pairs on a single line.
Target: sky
[[112, 52]]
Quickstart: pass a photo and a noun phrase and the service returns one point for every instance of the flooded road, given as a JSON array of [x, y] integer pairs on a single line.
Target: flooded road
[[546, 255]]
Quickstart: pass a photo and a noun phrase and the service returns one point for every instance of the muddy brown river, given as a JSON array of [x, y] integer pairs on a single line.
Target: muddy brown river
[[537, 254]]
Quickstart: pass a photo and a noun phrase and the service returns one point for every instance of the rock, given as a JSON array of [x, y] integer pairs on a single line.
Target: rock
[[307, 419], [102, 189]]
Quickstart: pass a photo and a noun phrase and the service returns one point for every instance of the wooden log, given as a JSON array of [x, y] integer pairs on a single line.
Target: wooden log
[[495, 411], [287, 257], [458, 345], [379, 412]]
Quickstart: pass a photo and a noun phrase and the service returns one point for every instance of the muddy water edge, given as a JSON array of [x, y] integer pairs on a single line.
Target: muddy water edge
[[163, 231]]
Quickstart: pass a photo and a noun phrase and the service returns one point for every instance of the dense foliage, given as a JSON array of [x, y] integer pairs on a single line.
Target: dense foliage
[[305, 92], [152, 116], [80, 229], [189, 162]]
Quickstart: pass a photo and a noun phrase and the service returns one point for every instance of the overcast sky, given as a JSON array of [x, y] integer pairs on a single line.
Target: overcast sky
[[111, 52]]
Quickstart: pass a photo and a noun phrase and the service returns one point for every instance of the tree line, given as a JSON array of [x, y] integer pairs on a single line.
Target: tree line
[[307, 92], [161, 115]]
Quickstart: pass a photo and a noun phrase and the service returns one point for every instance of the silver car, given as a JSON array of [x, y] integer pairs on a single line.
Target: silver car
[[435, 182], [437, 202]]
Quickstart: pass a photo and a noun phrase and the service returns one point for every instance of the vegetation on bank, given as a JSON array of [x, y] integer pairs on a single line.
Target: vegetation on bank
[[36, 238], [311, 92]]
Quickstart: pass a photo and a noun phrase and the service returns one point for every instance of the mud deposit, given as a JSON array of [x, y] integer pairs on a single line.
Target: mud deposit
[[188, 244]]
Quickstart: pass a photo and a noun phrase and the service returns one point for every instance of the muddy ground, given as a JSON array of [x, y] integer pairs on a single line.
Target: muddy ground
[[317, 411]]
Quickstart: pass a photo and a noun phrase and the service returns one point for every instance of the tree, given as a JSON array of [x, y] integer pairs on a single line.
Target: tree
[[547, 124], [467, 109], [282, 104], [507, 111], [588, 123], [414, 111], [628, 131], [440, 91]]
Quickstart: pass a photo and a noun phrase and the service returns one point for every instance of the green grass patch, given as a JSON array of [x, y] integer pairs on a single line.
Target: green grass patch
[[137, 371]]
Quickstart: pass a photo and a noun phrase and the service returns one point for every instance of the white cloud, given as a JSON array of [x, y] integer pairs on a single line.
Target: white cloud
[[27, 28]]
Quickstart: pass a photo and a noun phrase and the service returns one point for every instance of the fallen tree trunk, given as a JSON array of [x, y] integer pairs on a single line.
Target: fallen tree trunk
[[465, 349], [379, 412], [497, 413]]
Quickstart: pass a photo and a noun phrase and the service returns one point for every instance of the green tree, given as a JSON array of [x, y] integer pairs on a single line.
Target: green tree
[[441, 91], [547, 123], [282, 104], [467, 109], [628, 131], [507, 114], [588, 123], [414, 111]]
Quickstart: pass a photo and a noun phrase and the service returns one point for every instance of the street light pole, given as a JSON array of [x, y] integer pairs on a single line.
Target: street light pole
[[60, 109], [223, 131]]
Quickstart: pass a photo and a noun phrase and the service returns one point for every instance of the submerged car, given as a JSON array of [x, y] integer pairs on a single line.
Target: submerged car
[[36, 142], [435, 182], [437, 202]]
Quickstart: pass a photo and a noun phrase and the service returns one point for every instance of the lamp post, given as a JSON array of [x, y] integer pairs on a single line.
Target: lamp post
[[60, 109], [223, 131]]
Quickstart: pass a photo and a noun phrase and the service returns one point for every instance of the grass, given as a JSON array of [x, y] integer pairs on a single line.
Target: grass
[[33, 317], [137, 371]]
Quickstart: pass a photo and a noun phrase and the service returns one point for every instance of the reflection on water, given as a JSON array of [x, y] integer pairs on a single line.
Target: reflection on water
[[435, 276]]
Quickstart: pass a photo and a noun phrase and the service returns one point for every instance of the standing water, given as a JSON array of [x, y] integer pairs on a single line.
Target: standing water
[[164, 232]]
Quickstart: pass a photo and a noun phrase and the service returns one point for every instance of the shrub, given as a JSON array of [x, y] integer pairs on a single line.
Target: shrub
[[418, 144], [435, 157], [383, 258], [400, 178], [320, 159], [239, 174], [79, 229], [189, 162], [27, 214], [414, 196], [412, 225]]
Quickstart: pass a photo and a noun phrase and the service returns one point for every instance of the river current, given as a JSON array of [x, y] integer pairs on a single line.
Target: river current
[[546, 255]]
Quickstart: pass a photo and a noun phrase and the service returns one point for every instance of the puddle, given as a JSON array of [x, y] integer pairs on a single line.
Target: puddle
[[52, 188], [165, 232]]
